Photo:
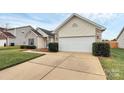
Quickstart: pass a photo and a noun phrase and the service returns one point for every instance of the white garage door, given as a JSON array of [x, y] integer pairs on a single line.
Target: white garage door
[[80, 44], [2, 42]]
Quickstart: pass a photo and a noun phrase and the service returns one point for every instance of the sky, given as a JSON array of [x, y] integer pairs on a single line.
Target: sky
[[114, 22]]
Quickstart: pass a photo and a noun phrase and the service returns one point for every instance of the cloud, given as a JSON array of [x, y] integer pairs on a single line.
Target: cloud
[[50, 19], [44, 20], [102, 18], [112, 21]]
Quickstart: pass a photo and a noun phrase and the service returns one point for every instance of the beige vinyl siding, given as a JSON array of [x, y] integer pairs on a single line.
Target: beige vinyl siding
[[77, 27], [98, 35], [121, 40], [41, 42]]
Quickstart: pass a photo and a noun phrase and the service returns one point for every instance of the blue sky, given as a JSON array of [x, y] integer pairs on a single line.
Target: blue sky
[[114, 22]]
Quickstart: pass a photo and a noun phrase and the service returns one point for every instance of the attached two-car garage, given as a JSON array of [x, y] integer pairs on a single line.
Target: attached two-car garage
[[76, 44], [77, 34]]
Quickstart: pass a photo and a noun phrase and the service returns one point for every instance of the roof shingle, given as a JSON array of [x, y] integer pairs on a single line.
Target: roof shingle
[[47, 32]]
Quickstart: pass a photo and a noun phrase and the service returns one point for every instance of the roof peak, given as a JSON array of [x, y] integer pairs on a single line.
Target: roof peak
[[20, 27], [83, 18], [122, 30], [48, 32]]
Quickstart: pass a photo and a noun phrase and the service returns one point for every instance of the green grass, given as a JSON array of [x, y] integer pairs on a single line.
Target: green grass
[[9, 47], [11, 57], [114, 65]]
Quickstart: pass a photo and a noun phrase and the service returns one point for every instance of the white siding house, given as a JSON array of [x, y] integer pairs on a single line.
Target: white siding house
[[26, 36]]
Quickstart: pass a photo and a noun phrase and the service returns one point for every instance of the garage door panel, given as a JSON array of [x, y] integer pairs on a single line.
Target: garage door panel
[[81, 44]]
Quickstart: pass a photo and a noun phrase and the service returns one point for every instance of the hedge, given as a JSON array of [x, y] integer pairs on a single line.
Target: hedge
[[53, 47], [101, 49], [27, 47]]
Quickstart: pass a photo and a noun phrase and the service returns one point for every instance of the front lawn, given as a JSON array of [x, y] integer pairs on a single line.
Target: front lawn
[[10, 57], [9, 47], [114, 65]]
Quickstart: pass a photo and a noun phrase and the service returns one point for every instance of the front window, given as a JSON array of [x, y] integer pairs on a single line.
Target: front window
[[31, 42]]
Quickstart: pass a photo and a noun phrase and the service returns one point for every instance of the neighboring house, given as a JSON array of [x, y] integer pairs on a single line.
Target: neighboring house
[[5, 37], [77, 34], [27, 35], [120, 39], [47, 35]]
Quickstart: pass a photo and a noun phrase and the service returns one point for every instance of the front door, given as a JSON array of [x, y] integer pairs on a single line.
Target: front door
[[31, 42]]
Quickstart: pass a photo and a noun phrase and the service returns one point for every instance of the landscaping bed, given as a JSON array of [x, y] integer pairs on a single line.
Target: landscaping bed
[[114, 65]]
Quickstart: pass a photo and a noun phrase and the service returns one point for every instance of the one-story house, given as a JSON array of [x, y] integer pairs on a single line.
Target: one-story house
[[77, 34], [120, 39], [27, 35], [5, 37]]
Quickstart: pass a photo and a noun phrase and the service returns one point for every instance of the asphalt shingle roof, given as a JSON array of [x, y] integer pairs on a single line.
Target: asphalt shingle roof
[[47, 32], [4, 34]]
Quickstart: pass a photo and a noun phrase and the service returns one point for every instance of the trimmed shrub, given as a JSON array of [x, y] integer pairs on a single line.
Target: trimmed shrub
[[101, 49], [53, 47], [27, 47]]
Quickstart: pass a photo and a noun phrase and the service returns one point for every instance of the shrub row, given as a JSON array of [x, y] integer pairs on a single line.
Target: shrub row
[[27, 47], [101, 49], [53, 47]]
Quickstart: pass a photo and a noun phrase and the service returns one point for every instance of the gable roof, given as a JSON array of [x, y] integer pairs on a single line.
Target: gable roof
[[1, 28], [48, 32], [36, 32], [20, 27], [32, 29], [102, 28], [8, 35], [120, 33], [2, 36], [5, 34]]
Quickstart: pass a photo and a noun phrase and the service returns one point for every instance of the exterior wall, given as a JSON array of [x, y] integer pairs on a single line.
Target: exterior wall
[[98, 35], [77, 27], [41, 43], [22, 36], [31, 35], [42, 33], [2, 41], [56, 37], [121, 40], [51, 39]]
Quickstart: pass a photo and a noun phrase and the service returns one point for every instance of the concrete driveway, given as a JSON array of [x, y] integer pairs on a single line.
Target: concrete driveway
[[57, 66]]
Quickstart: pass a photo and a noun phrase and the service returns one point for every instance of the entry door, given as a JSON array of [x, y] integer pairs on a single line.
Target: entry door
[[31, 42]]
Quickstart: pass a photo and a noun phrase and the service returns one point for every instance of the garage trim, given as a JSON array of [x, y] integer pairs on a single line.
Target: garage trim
[[76, 36]]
